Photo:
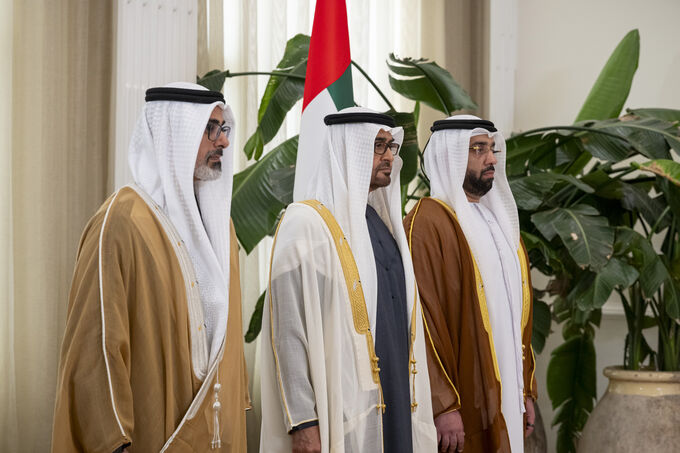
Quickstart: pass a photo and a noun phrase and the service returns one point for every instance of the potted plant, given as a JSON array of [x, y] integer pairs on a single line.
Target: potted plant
[[599, 204]]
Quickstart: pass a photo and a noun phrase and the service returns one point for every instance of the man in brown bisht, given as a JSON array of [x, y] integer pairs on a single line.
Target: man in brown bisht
[[152, 358], [473, 276]]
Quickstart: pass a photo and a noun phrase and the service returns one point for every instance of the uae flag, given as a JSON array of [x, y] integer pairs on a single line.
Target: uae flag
[[328, 84]]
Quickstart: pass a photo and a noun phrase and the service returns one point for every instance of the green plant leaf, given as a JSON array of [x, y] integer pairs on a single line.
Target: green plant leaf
[[669, 115], [280, 95], [541, 326], [257, 197], [213, 80], [612, 86], [547, 253], [650, 137], [663, 168], [572, 386], [530, 191], [255, 324], [605, 147], [605, 186], [592, 293], [585, 233], [409, 148], [520, 148], [640, 253], [425, 81], [637, 198]]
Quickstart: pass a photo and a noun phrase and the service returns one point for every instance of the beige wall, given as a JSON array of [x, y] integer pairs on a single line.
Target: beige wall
[[562, 46]]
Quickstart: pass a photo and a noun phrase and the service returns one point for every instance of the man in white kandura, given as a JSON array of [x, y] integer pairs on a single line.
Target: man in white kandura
[[152, 358], [343, 362]]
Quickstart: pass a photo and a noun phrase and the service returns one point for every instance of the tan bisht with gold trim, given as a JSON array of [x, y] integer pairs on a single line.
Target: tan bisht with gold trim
[[152, 357], [143, 386]]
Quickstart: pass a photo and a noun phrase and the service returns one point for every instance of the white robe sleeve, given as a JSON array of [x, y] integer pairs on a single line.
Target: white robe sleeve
[[291, 345]]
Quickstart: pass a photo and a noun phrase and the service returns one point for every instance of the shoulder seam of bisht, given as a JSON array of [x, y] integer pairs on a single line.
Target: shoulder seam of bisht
[[103, 320]]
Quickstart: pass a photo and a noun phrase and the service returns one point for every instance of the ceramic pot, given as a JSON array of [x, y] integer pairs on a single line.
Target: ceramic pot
[[640, 412]]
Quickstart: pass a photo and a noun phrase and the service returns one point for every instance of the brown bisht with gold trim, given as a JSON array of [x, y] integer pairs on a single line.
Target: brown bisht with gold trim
[[134, 365], [460, 351]]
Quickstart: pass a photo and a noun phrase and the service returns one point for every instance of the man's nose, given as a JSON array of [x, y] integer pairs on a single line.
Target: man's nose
[[491, 158], [388, 156], [222, 141]]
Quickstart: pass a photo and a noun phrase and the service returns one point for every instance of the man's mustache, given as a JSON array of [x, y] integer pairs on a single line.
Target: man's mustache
[[489, 168], [383, 165], [218, 151]]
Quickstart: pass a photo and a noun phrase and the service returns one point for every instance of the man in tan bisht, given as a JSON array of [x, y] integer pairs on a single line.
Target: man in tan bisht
[[343, 358], [152, 358], [473, 277]]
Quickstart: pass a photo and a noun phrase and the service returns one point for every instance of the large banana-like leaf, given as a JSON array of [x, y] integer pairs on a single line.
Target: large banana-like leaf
[[280, 95], [670, 115], [257, 200], [664, 168], [530, 191], [650, 137], [592, 292], [541, 325], [521, 148], [612, 86], [255, 324], [409, 149], [561, 147], [637, 197], [213, 80], [425, 81], [584, 232], [572, 387], [654, 274]]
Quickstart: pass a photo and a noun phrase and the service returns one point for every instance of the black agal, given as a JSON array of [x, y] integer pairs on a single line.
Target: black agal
[[359, 117], [183, 95], [463, 124]]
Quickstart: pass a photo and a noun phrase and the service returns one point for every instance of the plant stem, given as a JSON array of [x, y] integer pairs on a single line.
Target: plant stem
[[658, 221], [382, 95], [247, 73], [636, 336], [642, 222], [569, 128]]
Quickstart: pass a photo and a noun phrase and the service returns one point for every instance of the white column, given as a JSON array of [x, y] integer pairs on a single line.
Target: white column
[[156, 42], [502, 63]]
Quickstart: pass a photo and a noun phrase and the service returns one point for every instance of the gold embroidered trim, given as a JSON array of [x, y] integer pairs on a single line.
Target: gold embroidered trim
[[526, 305], [526, 295], [354, 289]]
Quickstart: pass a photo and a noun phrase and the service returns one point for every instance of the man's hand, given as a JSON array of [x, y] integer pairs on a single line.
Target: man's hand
[[450, 433], [307, 440], [530, 418]]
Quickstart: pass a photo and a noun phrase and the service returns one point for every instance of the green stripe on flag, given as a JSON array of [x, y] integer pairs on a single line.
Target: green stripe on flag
[[341, 90]]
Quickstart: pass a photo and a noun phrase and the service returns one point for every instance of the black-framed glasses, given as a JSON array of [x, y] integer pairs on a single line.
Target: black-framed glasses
[[381, 147], [214, 129], [481, 149]]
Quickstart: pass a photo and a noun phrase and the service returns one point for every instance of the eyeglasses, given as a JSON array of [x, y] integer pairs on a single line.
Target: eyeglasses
[[381, 147], [214, 129], [481, 149]]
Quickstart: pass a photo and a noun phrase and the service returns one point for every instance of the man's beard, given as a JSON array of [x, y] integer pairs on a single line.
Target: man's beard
[[207, 171], [475, 185], [376, 181]]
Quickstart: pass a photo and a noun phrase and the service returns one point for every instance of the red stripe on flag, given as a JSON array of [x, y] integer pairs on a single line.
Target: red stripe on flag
[[328, 49]]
